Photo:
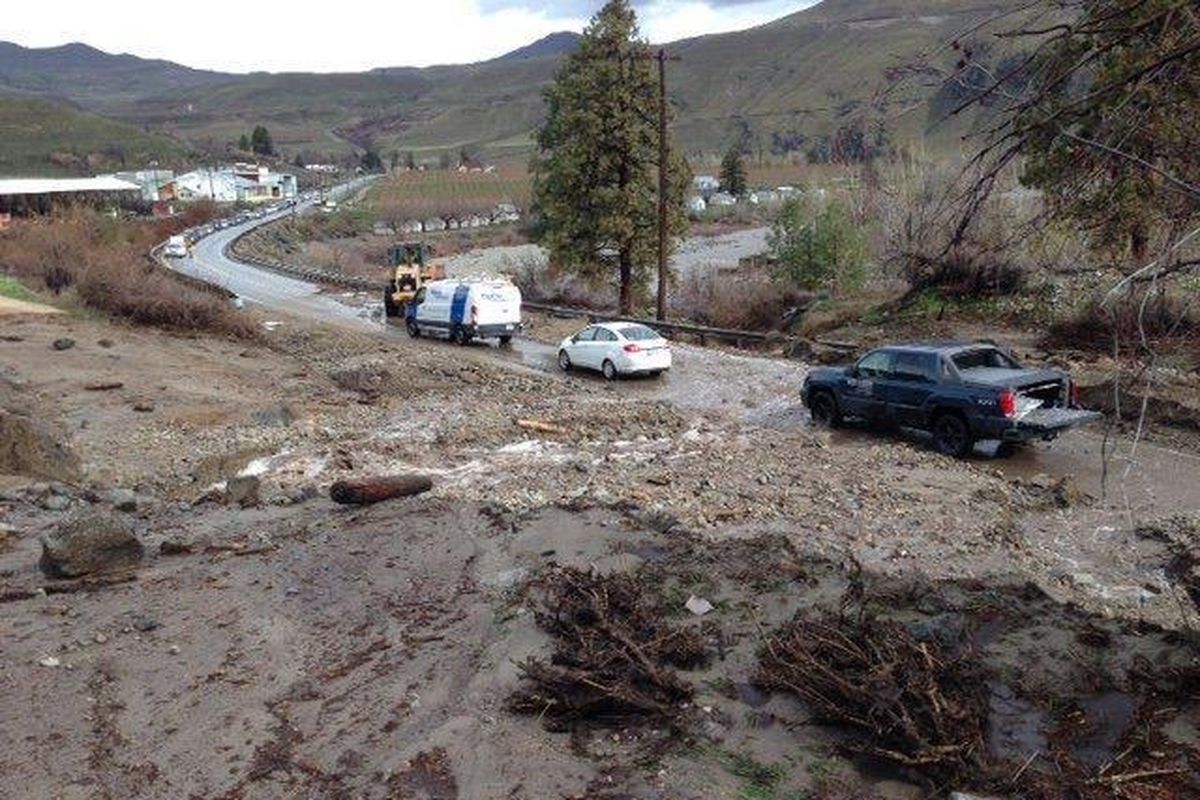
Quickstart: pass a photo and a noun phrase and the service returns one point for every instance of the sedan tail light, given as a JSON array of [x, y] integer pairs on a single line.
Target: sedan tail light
[[1073, 397], [632, 348], [1008, 403]]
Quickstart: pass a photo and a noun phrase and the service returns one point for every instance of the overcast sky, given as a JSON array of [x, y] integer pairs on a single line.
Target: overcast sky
[[349, 35]]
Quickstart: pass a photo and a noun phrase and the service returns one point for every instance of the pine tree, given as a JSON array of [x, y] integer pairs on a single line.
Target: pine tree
[[596, 170], [244, 143], [733, 173], [410, 161], [260, 141]]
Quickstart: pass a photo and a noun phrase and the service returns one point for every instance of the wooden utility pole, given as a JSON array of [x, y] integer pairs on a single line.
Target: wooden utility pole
[[663, 181]]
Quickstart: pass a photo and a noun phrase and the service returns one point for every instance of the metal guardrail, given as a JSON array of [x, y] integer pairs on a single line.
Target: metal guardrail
[[702, 332]]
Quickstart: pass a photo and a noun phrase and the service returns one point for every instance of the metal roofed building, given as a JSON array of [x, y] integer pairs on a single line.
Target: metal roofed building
[[21, 196]]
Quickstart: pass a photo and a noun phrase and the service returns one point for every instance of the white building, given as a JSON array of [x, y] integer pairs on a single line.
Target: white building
[[706, 184], [241, 183]]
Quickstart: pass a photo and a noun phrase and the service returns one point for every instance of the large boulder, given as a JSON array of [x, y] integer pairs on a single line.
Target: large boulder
[[88, 543], [29, 447]]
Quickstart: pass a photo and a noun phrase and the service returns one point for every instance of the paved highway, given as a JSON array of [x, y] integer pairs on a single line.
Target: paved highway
[[210, 263]]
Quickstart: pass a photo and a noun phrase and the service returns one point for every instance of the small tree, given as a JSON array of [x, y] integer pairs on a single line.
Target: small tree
[[371, 162], [818, 247], [244, 143], [260, 141], [733, 173], [395, 160], [298, 161], [410, 161]]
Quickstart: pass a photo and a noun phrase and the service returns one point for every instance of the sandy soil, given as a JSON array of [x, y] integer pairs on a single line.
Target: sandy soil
[[11, 307]]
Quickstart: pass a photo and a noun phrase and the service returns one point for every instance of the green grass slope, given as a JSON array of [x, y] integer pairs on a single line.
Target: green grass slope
[[39, 137]]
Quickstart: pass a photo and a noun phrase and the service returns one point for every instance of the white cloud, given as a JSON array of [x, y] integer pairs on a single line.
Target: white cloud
[[350, 35]]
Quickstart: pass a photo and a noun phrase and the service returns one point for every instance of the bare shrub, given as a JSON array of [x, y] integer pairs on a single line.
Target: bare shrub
[[1145, 319], [104, 262], [963, 272], [744, 301], [540, 282], [984, 260]]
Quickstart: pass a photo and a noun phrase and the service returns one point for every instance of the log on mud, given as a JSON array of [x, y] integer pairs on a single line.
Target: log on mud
[[364, 491]]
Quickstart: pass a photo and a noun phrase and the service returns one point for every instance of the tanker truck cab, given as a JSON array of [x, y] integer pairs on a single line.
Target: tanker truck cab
[[465, 309]]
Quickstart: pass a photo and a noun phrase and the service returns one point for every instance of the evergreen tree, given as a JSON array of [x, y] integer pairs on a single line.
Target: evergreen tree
[[395, 160], [410, 161], [733, 173], [244, 143], [371, 162], [260, 141], [596, 170]]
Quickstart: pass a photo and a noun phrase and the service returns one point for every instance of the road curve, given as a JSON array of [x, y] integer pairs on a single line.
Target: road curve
[[210, 262]]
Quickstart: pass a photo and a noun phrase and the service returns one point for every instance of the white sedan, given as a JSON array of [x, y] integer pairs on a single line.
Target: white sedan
[[616, 348]]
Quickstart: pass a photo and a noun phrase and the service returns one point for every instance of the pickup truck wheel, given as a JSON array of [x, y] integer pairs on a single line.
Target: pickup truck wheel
[[825, 411], [506, 339], [951, 436], [413, 329]]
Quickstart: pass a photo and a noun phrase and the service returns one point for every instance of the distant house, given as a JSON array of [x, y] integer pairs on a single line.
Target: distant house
[[722, 199], [764, 197], [151, 181], [696, 205], [434, 224], [706, 185]]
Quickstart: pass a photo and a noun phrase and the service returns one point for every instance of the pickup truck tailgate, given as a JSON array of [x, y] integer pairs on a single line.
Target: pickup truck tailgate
[[1046, 420]]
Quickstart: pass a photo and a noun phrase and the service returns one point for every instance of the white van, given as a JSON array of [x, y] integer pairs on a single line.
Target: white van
[[465, 310], [177, 247]]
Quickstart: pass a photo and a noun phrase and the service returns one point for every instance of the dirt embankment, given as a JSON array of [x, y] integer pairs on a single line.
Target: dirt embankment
[[274, 644]]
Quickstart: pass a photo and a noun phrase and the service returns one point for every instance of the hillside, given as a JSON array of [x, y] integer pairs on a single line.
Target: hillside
[[91, 77], [777, 88], [40, 137]]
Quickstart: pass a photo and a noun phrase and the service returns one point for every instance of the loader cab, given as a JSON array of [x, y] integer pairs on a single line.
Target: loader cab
[[410, 270]]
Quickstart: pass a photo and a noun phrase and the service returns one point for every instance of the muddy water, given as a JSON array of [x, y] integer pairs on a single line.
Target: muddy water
[[1136, 479]]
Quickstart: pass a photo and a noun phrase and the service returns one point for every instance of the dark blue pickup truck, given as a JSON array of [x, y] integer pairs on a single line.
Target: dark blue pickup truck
[[959, 392]]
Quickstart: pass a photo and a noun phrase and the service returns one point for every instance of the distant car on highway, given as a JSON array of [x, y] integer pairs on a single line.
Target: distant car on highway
[[177, 247], [616, 349], [959, 392]]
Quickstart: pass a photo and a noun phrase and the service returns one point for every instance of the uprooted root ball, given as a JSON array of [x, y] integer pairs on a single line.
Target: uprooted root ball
[[917, 704], [615, 654]]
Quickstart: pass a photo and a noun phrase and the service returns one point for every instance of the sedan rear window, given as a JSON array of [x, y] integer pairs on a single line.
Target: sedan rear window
[[639, 333]]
